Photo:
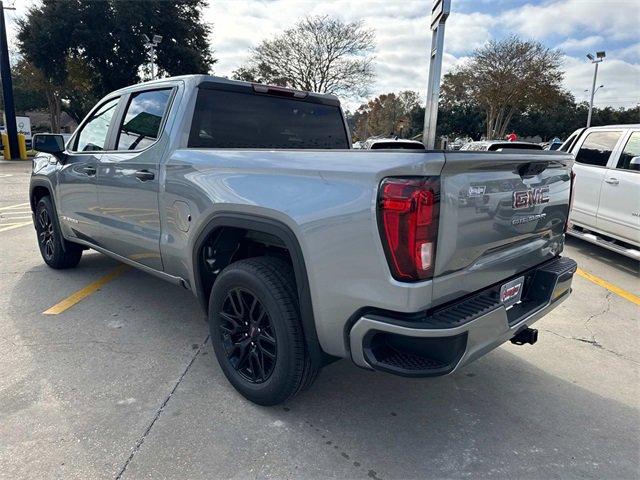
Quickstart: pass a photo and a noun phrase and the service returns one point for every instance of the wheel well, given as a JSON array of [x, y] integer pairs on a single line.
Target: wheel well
[[225, 245], [235, 236], [36, 194]]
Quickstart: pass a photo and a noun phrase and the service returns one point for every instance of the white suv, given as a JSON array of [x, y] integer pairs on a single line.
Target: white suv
[[606, 203]]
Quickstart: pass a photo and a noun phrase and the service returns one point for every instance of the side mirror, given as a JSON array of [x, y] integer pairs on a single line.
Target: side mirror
[[634, 164], [48, 143]]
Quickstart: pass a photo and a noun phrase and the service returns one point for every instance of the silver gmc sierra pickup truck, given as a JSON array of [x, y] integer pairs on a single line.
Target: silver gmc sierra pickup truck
[[299, 249]]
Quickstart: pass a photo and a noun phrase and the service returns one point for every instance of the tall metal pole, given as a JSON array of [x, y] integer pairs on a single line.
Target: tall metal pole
[[593, 92], [7, 89], [152, 53], [439, 14]]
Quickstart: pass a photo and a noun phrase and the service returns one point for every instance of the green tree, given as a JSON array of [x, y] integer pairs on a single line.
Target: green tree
[[506, 78], [387, 115], [28, 88], [459, 115], [104, 36], [319, 54]]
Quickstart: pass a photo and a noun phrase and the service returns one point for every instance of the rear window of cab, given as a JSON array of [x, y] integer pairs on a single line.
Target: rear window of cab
[[232, 119]]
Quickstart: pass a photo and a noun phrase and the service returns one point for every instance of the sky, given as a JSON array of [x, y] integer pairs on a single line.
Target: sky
[[576, 27]]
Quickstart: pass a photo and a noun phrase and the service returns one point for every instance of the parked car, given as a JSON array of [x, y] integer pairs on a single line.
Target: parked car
[[393, 143], [554, 144], [299, 250], [606, 202], [498, 145]]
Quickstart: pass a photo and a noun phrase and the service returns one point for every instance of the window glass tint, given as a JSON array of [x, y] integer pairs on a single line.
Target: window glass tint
[[225, 119], [509, 145], [93, 135], [397, 145], [631, 149], [143, 118], [597, 148], [476, 146]]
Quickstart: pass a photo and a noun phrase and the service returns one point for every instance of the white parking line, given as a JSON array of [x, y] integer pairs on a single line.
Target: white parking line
[[11, 207], [15, 216], [10, 226]]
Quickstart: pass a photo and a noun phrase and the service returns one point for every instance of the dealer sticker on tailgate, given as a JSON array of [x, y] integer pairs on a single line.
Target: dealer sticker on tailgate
[[511, 292]]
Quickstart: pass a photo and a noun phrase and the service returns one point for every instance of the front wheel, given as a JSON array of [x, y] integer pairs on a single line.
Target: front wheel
[[55, 251], [256, 330]]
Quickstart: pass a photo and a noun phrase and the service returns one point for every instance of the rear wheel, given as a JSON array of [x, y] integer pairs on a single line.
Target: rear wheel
[[55, 251], [256, 330]]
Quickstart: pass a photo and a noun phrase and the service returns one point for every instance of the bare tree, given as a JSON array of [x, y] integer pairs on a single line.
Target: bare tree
[[319, 54], [505, 78]]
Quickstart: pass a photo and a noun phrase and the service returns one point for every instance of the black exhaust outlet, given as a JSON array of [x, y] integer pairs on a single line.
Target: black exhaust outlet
[[528, 335]]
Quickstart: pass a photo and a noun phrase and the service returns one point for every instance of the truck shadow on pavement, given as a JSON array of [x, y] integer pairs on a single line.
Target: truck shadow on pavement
[[501, 417], [135, 351]]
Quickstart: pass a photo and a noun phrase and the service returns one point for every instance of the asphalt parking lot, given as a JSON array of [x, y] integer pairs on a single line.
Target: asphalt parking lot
[[124, 384]]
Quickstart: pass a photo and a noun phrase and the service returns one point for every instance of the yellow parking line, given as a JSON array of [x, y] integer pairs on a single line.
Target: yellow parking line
[[612, 288], [76, 297], [11, 207], [11, 226]]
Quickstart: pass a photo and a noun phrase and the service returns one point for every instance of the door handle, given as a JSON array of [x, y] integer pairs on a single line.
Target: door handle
[[90, 171], [612, 181], [144, 175]]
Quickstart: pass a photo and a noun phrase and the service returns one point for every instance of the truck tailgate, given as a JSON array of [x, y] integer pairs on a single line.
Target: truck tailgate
[[500, 214]]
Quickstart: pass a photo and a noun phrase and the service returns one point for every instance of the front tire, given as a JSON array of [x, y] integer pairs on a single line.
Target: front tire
[[55, 251], [256, 330]]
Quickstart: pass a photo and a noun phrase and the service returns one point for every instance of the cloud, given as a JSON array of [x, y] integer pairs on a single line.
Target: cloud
[[581, 45], [403, 36], [630, 53], [466, 32], [621, 81], [613, 19]]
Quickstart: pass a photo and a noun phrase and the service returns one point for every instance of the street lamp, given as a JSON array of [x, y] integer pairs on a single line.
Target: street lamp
[[7, 88], [595, 60], [594, 93], [151, 45]]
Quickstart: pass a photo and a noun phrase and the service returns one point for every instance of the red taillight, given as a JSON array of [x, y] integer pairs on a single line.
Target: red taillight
[[571, 196], [408, 215]]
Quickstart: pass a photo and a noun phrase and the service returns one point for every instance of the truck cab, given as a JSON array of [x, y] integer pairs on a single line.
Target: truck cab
[[606, 203]]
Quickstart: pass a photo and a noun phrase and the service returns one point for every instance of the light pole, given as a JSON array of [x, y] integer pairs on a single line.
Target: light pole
[[7, 88], [151, 45], [595, 60], [439, 14]]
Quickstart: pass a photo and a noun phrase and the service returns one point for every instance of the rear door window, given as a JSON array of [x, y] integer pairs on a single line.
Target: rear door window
[[226, 119], [631, 149], [142, 121], [597, 148]]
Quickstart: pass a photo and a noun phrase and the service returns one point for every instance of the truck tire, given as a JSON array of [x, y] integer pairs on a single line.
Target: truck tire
[[55, 250], [256, 330]]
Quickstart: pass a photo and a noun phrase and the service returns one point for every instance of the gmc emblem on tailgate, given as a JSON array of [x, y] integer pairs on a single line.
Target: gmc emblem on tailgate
[[530, 198]]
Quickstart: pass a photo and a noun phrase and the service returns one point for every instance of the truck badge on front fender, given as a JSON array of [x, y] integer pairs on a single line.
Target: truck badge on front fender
[[530, 198]]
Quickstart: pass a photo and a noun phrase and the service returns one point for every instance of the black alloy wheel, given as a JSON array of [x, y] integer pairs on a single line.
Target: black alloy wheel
[[46, 234], [256, 330], [247, 335], [55, 250]]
